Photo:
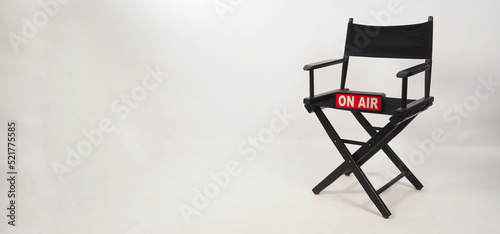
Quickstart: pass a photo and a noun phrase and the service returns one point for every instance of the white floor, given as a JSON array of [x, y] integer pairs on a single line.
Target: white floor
[[460, 196], [270, 193]]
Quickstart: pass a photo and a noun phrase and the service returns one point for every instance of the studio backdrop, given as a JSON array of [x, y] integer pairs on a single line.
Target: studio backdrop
[[187, 116]]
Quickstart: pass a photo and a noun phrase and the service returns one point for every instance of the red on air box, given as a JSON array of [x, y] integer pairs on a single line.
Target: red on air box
[[358, 102]]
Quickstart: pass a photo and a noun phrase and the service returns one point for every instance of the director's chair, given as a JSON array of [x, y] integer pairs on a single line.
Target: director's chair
[[400, 42]]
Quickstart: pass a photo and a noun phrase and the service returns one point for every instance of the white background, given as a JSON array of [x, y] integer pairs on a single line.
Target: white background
[[231, 75]]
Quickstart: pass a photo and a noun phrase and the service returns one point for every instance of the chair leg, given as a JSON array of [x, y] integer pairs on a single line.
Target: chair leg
[[369, 189], [331, 178], [378, 141], [352, 164], [403, 168], [389, 152]]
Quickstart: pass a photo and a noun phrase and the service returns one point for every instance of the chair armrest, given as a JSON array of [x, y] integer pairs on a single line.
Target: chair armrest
[[325, 63], [404, 74], [413, 70]]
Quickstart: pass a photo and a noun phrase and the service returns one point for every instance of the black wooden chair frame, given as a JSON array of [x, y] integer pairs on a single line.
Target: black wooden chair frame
[[405, 42]]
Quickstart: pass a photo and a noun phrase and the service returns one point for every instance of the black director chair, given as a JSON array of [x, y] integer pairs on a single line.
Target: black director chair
[[402, 42]]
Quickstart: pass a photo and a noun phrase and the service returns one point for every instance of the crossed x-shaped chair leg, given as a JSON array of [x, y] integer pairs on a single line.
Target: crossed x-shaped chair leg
[[380, 137]]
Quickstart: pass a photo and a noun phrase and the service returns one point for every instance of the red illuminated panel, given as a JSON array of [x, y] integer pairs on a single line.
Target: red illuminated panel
[[358, 102]]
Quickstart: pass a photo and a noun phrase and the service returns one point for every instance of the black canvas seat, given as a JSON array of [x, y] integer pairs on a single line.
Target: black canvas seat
[[400, 42]]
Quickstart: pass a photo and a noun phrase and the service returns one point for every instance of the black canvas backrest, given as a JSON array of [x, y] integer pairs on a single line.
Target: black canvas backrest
[[404, 41]]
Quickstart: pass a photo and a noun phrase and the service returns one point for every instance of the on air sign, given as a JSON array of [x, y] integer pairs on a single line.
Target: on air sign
[[358, 102]]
